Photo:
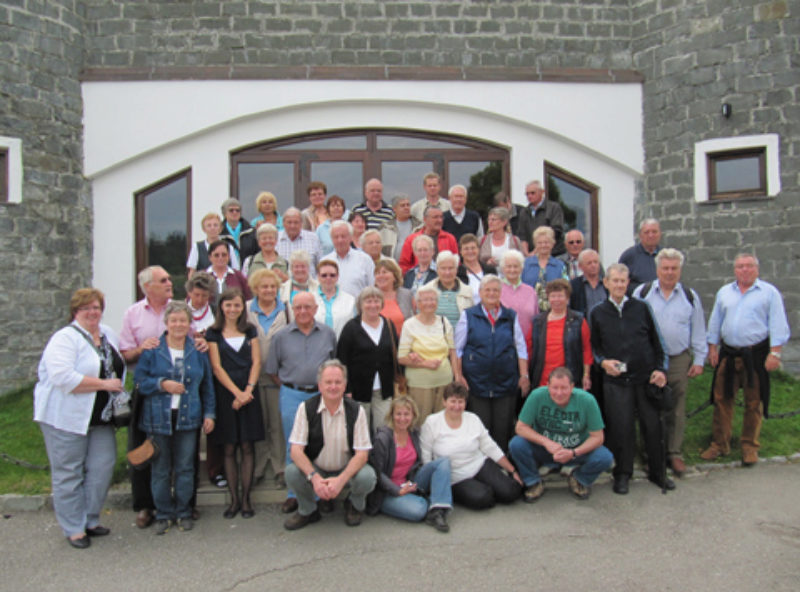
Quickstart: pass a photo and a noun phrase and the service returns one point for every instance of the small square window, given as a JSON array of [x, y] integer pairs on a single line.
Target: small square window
[[737, 173]]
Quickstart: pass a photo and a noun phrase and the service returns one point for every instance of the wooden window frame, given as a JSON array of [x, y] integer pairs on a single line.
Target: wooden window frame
[[372, 157], [714, 157], [590, 188], [139, 201]]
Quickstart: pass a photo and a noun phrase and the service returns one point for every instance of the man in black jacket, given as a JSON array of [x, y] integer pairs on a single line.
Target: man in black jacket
[[540, 212], [628, 347]]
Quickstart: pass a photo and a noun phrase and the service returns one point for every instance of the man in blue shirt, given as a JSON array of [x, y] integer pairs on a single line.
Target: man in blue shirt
[[746, 333], [679, 316], [640, 258]]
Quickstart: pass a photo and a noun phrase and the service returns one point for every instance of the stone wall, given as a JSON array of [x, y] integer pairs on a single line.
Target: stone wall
[[695, 56], [555, 33], [46, 239]]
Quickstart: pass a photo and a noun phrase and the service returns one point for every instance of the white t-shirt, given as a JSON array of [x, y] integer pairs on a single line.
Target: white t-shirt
[[375, 335], [177, 357]]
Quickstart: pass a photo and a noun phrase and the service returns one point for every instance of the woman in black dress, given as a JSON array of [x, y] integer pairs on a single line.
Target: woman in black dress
[[236, 361]]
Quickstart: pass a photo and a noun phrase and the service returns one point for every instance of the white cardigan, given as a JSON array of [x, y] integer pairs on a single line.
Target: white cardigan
[[67, 358], [343, 309]]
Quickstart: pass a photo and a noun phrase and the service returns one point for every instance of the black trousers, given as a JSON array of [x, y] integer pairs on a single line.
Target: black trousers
[[488, 486], [622, 404], [498, 415], [140, 479]]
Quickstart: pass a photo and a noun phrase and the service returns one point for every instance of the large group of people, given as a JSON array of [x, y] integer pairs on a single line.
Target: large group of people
[[401, 353]]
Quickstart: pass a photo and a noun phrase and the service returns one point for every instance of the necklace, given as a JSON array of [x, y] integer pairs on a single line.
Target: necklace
[[202, 315]]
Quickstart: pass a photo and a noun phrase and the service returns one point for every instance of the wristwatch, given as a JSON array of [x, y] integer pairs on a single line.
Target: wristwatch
[[311, 474], [776, 354]]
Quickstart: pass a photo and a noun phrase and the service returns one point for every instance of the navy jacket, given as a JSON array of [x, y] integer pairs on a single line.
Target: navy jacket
[[490, 363]]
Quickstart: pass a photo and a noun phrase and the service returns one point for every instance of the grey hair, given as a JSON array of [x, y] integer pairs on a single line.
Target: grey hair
[[457, 186], [368, 233], [421, 238], [231, 201], [370, 181], [177, 306], [202, 280], [300, 256], [265, 228], [334, 363], [426, 289], [512, 254], [398, 198], [647, 222], [445, 256], [342, 224], [366, 293], [671, 254], [586, 252], [618, 267], [746, 256], [430, 208], [501, 213], [146, 276], [490, 278], [292, 211]]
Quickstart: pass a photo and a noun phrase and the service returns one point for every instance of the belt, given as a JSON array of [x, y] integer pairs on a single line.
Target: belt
[[304, 389]]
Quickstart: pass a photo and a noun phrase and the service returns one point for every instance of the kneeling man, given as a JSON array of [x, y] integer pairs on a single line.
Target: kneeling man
[[329, 449], [560, 425]]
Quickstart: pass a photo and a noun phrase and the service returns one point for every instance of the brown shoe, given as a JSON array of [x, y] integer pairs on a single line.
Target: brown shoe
[[289, 506], [577, 488], [711, 453], [144, 518], [352, 517], [533, 493], [749, 457], [297, 521], [678, 466]]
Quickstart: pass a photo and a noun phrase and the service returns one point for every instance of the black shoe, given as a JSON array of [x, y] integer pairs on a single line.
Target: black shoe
[[297, 520], [81, 543], [232, 510], [437, 517], [249, 512], [352, 517], [98, 531], [668, 484], [325, 506], [621, 484]]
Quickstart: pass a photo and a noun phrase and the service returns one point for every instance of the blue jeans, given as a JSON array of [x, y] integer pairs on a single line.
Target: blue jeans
[[433, 479], [176, 454], [290, 400], [529, 457]]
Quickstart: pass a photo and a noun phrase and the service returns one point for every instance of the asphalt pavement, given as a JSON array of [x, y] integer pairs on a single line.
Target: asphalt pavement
[[730, 529]]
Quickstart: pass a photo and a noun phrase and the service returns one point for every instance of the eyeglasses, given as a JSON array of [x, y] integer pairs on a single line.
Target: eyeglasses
[[89, 308], [234, 210], [575, 242], [328, 275]]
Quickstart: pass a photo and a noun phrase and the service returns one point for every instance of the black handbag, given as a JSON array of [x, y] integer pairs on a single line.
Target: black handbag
[[662, 397]]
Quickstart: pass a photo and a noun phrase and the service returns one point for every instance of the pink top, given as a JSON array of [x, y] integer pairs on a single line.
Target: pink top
[[524, 302], [405, 457], [391, 310], [140, 322]]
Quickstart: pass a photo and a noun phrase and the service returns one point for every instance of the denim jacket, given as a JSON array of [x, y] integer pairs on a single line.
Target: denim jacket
[[197, 402]]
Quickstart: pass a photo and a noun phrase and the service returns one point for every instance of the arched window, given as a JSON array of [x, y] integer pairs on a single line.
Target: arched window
[[346, 160]]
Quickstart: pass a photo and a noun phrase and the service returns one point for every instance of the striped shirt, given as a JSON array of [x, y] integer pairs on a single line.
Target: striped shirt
[[374, 219]]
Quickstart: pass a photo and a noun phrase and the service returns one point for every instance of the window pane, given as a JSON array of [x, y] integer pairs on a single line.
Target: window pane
[[255, 177], [481, 178], [387, 142], [338, 143], [345, 179], [576, 203], [165, 231], [737, 174], [404, 177]]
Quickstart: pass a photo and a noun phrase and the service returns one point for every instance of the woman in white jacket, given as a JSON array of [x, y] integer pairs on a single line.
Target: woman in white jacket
[[80, 372]]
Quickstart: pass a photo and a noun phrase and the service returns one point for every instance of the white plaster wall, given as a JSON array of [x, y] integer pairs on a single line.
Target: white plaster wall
[[168, 127]]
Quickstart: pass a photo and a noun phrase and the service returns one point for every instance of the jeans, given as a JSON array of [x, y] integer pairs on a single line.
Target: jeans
[[290, 400], [360, 485], [434, 479], [529, 457], [176, 454]]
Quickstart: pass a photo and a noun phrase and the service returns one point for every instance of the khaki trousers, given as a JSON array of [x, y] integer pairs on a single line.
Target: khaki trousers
[[723, 409]]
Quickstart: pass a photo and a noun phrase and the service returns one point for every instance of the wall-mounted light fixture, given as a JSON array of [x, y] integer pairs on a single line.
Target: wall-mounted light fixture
[[727, 110]]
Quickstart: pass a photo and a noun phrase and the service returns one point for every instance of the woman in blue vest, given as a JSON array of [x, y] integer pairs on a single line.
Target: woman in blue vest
[[492, 360]]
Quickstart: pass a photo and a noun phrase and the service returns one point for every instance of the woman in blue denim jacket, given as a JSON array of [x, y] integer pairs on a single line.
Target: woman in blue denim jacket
[[177, 389]]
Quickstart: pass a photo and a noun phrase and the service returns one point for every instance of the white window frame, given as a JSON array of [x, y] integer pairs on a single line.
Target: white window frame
[[769, 142], [13, 146]]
